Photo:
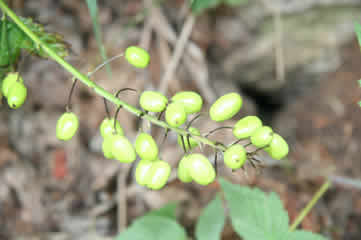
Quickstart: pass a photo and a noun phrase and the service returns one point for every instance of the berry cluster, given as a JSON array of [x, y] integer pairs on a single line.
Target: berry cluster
[[14, 90], [153, 172]]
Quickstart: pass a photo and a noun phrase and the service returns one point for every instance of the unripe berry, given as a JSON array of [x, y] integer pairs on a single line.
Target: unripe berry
[[225, 107], [235, 156], [107, 128], [107, 147], [123, 150], [175, 114], [201, 169], [278, 147], [192, 101], [159, 174], [246, 126], [183, 170], [146, 147], [9, 80], [16, 95], [67, 126], [142, 172], [153, 101], [262, 136], [137, 56]]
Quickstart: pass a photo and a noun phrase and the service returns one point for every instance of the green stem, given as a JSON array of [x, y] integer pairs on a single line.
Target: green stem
[[97, 89], [310, 205]]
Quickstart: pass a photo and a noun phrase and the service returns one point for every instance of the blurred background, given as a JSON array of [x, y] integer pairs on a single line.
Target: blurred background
[[296, 64]]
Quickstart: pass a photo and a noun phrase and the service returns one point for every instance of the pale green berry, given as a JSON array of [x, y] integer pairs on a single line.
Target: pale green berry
[[107, 127], [262, 137], [175, 114], [66, 126], [142, 172], [159, 175], [122, 149], [246, 126], [278, 147], [16, 95], [200, 169], [9, 80], [153, 101], [235, 156], [192, 101], [183, 170], [137, 56], [146, 147], [225, 107]]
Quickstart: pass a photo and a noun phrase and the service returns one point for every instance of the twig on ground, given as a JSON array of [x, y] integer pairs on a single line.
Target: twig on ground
[[178, 52]]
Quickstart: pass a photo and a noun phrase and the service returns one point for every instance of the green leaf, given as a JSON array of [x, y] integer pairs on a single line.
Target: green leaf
[[358, 32], [153, 228], [166, 211], [235, 2], [210, 223], [254, 214], [53, 40], [199, 6], [93, 11], [303, 235]]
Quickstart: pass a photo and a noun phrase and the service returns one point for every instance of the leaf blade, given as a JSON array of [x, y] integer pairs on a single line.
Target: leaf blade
[[153, 228], [211, 222], [254, 214]]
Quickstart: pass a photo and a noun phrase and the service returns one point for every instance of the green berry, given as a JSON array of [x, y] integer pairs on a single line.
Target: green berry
[[17, 95], [246, 126], [153, 101], [225, 107], [146, 147], [142, 172], [235, 156], [183, 170], [175, 114], [262, 136], [159, 174], [193, 143], [122, 149], [137, 56], [201, 169], [107, 127], [67, 126], [278, 147], [107, 147], [192, 101], [8, 81]]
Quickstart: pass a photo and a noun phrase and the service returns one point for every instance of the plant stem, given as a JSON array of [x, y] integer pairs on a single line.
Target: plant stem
[[310, 205], [96, 88]]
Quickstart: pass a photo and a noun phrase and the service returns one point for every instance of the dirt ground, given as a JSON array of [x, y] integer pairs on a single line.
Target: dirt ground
[[59, 191]]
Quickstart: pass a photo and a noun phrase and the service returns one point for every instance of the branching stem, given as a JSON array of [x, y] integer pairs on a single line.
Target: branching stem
[[96, 88]]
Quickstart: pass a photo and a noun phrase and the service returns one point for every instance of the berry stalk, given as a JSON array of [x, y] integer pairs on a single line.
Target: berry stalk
[[96, 88]]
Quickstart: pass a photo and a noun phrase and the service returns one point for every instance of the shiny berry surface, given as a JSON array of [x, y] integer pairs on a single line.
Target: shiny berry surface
[[246, 126], [225, 107], [146, 147], [123, 150], [17, 95], [192, 101], [66, 126], [235, 156], [137, 56], [153, 101], [175, 114]]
